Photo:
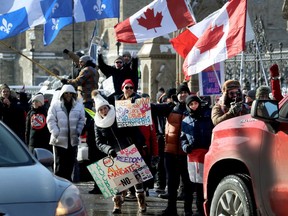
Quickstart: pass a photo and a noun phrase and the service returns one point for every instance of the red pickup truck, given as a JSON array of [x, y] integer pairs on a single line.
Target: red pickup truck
[[246, 168]]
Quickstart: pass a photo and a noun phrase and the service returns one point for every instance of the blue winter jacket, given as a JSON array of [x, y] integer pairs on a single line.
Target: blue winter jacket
[[196, 130]]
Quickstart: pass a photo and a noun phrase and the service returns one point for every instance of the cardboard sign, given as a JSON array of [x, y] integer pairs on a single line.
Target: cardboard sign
[[118, 174], [133, 114]]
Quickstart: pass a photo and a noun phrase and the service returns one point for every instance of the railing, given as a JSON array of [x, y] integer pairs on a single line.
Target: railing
[[256, 61], [256, 68]]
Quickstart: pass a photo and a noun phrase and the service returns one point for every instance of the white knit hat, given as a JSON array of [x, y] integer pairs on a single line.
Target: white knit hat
[[38, 97], [99, 102]]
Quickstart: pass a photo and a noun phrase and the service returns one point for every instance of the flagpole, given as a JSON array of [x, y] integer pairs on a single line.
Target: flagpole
[[73, 27], [241, 67], [218, 80], [118, 44], [261, 62], [34, 62], [73, 42]]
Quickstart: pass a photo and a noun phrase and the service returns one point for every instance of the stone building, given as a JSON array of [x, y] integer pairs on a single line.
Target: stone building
[[159, 64]]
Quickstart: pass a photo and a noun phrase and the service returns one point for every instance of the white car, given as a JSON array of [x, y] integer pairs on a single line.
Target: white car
[[29, 188]]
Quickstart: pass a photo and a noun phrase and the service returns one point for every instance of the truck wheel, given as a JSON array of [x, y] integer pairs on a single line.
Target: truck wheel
[[232, 197]]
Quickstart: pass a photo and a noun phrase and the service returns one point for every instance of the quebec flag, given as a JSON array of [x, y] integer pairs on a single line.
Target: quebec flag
[[17, 16], [84, 10]]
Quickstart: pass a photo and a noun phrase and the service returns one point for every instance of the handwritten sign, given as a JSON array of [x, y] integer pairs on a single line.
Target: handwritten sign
[[208, 80], [133, 114], [118, 174]]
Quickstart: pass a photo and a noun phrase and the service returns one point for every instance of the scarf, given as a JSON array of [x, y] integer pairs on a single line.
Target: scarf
[[108, 120]]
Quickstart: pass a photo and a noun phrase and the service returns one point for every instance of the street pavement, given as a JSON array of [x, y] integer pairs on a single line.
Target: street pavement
[[97, 205]]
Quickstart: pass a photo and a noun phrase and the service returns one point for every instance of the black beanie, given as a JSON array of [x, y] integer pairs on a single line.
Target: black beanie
[[169, 92], [183, 87], [191, 98]]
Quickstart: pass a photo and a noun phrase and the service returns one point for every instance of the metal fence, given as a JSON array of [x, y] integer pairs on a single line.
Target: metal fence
[[255, 68], [252, 67]]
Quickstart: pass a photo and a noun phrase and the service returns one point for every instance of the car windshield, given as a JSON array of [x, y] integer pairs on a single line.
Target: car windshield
[[12, 153]]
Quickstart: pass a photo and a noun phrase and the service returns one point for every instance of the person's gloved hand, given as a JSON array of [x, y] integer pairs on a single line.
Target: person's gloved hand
[[99, 50], [112, 153], [235, 108], [94, 93], [274, 70], [64, 81], [133, 55], [66, 51], [189, 149]]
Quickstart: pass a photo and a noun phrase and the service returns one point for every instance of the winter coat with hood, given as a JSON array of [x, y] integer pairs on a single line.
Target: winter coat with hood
[[110, 137], [37, 134], [64, 126], [196, 130]]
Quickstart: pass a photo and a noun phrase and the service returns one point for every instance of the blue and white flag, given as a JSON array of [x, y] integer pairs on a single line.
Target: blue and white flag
[[52, 28], [87, 10], [84, 10], [17, 16]]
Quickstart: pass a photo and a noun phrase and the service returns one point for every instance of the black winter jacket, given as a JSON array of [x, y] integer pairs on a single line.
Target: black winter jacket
[[37, 134], [119, 75], [118, 138]]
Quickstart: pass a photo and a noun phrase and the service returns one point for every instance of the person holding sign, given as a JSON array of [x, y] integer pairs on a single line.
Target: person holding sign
[[119, 72], [127, 88], [110, 139]]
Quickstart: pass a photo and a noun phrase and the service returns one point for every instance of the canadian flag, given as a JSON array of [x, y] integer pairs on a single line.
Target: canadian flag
[[158, 18], [218, 37]]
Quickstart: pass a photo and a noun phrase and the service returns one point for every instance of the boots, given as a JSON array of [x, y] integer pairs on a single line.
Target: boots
[[124, 194], [141, 202], [117, 199]]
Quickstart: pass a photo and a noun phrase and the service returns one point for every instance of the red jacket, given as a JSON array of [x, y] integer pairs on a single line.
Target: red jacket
[[149, 132]]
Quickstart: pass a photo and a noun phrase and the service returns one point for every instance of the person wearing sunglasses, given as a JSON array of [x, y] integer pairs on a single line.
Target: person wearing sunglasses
[[65, 121], [230, 103], [86, 81], [111, 139], [119, 73], [128, 92]]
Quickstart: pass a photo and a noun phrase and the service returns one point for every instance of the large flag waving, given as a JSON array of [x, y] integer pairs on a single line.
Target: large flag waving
[[158, 18], [17, 16], [84, 10], [218, 37]]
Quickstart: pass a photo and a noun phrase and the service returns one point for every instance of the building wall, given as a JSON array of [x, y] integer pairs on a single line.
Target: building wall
[[17, 70]]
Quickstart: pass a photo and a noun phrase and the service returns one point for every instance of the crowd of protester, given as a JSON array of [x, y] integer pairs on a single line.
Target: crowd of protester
[[173, 146]]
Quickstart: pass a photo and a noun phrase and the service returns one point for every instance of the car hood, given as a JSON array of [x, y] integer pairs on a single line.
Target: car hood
[[28, 184], [240, 122]]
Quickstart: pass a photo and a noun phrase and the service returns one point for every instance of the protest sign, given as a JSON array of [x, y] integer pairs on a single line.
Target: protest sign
[[208, 82], [133, 114], [118, 174], [108, 86]]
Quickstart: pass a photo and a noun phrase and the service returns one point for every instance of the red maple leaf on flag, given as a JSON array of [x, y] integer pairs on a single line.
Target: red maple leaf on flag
[[151, 21], [210, 38]]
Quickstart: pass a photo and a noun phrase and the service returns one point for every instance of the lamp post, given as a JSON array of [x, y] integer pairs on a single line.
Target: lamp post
[[32, 38]]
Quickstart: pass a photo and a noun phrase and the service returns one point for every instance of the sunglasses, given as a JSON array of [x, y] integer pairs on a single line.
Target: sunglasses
[[232, 93], [119, 62], [129, 87], [68, 93]]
